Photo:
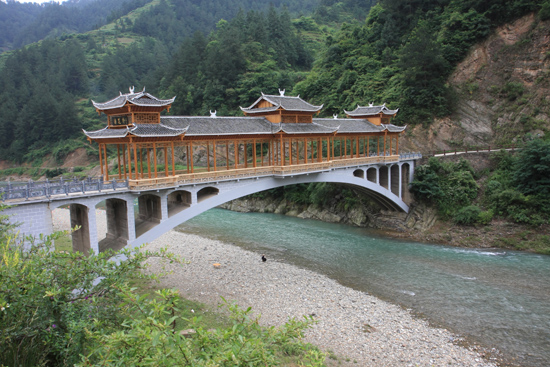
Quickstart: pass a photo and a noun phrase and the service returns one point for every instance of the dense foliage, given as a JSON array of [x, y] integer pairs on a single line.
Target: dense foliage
[[253, 53], [448, 185], [517, 189], [63, 309], [21, 24], [403, 53]]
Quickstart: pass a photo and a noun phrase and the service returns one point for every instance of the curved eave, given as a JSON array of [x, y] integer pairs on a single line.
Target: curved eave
[[394, 129], [97, 135]]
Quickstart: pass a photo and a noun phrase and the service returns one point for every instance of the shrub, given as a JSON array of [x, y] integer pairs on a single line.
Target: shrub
[[468, 215]]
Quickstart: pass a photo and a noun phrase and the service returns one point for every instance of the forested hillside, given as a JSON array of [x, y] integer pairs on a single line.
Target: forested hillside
[[339, 53], [403, 54]]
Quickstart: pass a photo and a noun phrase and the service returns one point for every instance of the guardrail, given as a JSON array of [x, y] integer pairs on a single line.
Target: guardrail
[[487, 149], [36, 189], [46, 189]]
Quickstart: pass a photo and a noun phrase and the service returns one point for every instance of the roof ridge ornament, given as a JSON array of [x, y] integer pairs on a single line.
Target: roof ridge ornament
[[143, 91], [132, 88], [371, 104], [282, 92], [213, 114], [335, 116]]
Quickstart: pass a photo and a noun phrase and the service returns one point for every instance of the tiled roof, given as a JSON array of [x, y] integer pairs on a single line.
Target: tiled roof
[[371, 110], [307, 128], [349, 125], [393, 128], [141, 130], [153, 130], [106, 133], [201, 125], [139, 99], [284, 102], [219, 126]]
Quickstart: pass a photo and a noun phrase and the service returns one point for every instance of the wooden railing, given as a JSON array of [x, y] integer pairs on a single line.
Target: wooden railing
[[231, 174], [45, 189]]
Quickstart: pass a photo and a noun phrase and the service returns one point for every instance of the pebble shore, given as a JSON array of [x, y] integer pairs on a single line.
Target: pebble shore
[[359, 329]]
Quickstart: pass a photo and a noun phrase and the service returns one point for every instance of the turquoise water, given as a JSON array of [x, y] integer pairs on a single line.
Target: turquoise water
[[496, 298]]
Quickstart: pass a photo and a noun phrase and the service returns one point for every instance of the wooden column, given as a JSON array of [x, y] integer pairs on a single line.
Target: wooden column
[[100, 158], [173, 160], [254, 153], [391, 144], [214, 156], [385, 135], [368, 147], [283, 153], [378, 145], [227, 154], [129, 161], [155, 158], [357, 147], [141, 162], [118, 156], [305, 150], [106, 162], [290, 151], [208, 156], [319, 150], [166, 174], [236, 154], [148, 162], [135, 160], [190, 157], [124, 160]]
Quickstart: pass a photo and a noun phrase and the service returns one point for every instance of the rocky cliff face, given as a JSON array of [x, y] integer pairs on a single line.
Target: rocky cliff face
[[502, 92], [366, 214]]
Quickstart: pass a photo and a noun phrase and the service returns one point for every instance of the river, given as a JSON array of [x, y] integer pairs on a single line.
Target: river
[[496, 298]]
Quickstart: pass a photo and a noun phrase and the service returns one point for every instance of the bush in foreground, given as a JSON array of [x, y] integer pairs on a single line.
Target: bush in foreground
[[61, 309]]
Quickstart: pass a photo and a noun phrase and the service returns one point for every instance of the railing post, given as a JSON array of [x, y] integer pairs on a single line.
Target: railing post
[[489, 149], [83, 186]]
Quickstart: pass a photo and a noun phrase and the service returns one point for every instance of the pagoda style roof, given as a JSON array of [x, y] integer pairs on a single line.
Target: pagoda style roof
[[203, 125], [140, 130], [357, 126], [295, 104], [139, 99], [306, 128], [371, 110], [196, 126]]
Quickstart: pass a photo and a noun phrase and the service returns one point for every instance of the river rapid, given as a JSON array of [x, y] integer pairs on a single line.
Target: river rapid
[[496, 298]]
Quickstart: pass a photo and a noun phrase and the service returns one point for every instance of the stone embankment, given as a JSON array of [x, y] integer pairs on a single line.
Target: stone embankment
[[359, 329]]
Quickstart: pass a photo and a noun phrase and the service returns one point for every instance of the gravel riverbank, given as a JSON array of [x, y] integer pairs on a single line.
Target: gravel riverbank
[[358, 328]]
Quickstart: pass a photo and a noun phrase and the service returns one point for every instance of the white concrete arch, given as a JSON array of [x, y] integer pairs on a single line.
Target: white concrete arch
[[235, 190]]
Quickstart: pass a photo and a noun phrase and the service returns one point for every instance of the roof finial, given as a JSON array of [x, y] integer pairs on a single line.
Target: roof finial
[[282, 92], [143, 91], [335, 116], [132, 89], [384, 104], [213, 114], [120, 92], [371, 104]]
